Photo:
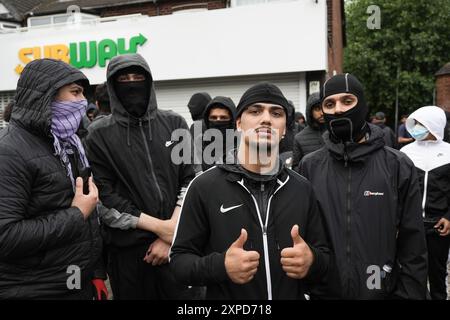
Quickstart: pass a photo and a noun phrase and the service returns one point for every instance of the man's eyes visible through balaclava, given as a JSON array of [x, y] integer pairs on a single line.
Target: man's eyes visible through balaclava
[[131, 77]]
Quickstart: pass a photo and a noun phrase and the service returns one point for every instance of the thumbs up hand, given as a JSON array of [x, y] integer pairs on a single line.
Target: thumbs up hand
[[241, 265], [297, 260]]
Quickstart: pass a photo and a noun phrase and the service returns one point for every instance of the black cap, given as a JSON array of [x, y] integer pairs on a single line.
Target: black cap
[[263, 92]]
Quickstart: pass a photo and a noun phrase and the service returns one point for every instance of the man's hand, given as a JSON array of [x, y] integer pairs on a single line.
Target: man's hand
[[241, 265], [85, 202], [157, 253], [297, 260], [443, 227]]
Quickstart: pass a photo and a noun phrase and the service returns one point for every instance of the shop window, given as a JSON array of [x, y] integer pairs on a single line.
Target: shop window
[[59, 18]]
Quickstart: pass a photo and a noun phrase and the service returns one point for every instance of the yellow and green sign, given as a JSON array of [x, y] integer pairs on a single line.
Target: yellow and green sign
[[85, 54]]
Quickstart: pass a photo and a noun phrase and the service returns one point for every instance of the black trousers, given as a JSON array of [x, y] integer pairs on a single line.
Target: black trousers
[[437, 265], [132, 278]]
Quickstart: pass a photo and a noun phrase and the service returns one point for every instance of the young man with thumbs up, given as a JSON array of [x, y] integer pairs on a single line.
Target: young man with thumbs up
[[259, 235]]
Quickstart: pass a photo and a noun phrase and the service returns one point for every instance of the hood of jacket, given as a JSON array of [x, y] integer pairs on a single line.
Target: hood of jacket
[[220, 101], [117, 109], [36, 89], [197, 104], [431, 117], [356, 152], [313, 100]]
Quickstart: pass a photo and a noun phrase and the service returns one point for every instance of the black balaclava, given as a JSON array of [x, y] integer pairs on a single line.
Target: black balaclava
[[224, 103], [221, 125], [134, 95], [351, 125]]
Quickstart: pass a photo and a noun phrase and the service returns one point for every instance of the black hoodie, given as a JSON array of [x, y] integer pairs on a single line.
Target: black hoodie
[[309, 139], [228, 104], [131, 159], [447, 127], [372, 205]]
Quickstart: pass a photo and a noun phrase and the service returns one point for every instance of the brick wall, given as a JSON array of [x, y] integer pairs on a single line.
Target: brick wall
[[335, 17], [163, 8], [443, 91]]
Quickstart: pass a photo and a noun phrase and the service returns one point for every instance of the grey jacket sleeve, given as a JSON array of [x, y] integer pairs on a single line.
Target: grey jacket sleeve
[[115, 219]]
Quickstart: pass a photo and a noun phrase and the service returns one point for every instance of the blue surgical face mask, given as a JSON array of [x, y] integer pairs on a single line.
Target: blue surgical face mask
[[419, 132]]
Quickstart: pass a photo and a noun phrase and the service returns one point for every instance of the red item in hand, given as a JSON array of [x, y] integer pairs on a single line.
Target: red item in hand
[[101, 293]]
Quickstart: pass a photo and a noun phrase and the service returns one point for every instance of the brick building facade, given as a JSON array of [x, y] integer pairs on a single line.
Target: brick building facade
[[443, 87]]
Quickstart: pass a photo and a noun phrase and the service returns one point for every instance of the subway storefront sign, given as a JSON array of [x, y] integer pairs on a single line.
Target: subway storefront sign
[[194, 45], [85, 54]]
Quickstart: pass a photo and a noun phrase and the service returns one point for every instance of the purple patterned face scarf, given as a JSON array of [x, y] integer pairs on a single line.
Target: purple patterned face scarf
[[66, 118]]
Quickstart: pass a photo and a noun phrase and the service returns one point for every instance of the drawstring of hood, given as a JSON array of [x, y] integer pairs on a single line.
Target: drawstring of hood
[[128, 131], [150, 135]]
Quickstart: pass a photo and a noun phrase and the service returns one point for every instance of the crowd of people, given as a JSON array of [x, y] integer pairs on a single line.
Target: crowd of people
[[270, 205]]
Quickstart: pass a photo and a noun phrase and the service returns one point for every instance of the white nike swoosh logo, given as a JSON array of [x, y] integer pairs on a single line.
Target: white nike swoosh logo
[[225, 210], [169, 143]]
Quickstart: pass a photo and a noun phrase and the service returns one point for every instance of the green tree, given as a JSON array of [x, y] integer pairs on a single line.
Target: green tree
[[413, 40]]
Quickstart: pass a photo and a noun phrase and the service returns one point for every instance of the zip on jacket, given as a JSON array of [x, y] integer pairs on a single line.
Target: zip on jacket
[[264, 231], [149, 158]]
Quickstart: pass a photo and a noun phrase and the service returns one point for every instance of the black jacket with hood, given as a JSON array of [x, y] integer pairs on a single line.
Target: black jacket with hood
[[447, 128], [389, 135], [309, 139], [371, 201], [41, 235], [228, 104], [131, 159], [209, 225]]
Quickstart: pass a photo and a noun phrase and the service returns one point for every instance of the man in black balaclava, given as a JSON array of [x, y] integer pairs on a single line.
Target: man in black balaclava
[[345, 108], [136, 172], [132, 89], [371, 201], [219, 114]]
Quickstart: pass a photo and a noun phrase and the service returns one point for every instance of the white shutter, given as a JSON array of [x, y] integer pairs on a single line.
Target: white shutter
[[175, 95], [5, 98]]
